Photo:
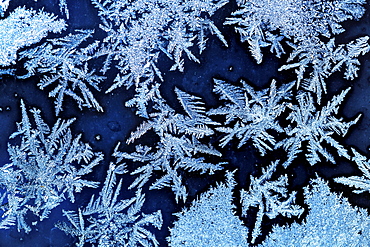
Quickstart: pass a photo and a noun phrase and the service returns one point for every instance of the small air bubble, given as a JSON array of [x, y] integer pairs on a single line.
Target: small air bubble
[[231, 68], [7, 108]]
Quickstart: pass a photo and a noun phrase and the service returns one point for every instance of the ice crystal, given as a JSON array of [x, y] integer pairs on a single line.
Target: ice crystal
[[62, 61], [22, 28], [210, 220], [315, 127], [305, 25], [113, 222], [137, 31], [251, 114], [4, 4], [331, 221], [362, 183], [179, 145], [325, 59], [271, 198], [46, 167]]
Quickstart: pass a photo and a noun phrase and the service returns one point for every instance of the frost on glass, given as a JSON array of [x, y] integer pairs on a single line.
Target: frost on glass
[[251, 115], [22, 28], [47, 166], [361, 183], [271, 197], [180, 145], [112, 221], [315, 127], [139, 30], [210, 220], [309, 28], [331, 221], [64, 65], [4, 4]]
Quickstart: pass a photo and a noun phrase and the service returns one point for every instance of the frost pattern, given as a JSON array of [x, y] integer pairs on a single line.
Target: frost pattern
[[111, 221], [138, 31], [251, 114], [315, 127], [210, 220], [305, 25], [325, 59], [4, 4], [22, 28], [64, 62], [331, 221], [179, 146], [271, 198], [362, 183], [46, 167]]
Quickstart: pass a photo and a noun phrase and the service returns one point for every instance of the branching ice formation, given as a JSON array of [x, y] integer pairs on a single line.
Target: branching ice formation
[[362, 183], [306, 25], [46, 167], [315, 127], [271, 198], [179, 146], [64, 62], [251, 114], [138, 31], [113, 222]]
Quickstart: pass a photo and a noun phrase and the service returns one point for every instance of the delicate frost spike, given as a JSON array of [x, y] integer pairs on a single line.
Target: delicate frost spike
[[305, 25], [179, 147], [251, 115], [271, 198], [362, 183], [22, 28], [134, 40], [112, 221], [46, 167], [331, 221], [210, 220], [315, 127], [64, 63]]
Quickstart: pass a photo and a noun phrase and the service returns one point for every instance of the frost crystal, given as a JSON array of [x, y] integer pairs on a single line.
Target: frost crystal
[[179, 145], [113, 222], [252, 114], [137, 31], [45, 168], [210, 221], [22, 28], [65, 64], [305, 24], [331, 221], [271, 198], [362, 183], [4, 4], [315, 127]]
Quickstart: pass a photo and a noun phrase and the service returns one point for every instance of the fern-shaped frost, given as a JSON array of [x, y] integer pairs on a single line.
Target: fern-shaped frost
[[46, 167], [179, 147], [362, 183], [111, 221], [271, 198], [64, 63], [314, 127], [251, 115]]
